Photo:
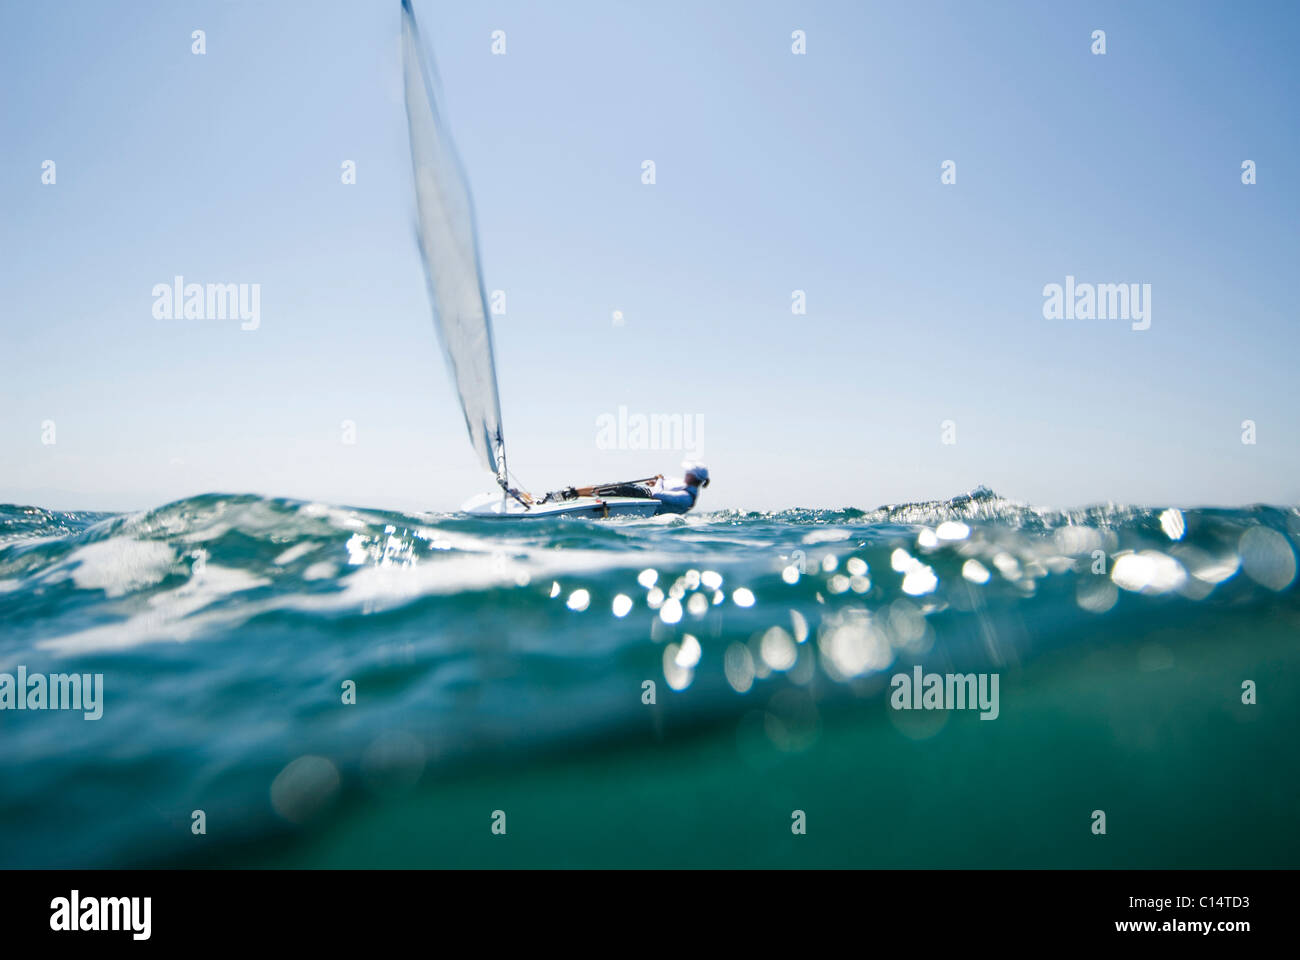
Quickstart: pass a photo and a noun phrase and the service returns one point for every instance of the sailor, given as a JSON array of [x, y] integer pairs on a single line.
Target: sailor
[[678, 496], [674, 496]]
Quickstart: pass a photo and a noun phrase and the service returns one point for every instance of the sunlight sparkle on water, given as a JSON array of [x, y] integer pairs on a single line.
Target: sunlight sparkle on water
[[777, 649], [1267, 557], [918, 578], [1148, 571], [738, 665], [689, 654], [975, 572], [676, 676], [800, 625]]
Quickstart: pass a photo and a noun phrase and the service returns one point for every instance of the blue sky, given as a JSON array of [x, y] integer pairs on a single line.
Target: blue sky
[[774, 173]]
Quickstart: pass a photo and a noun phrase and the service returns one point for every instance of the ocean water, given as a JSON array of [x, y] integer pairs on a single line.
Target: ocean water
[[344, 687]]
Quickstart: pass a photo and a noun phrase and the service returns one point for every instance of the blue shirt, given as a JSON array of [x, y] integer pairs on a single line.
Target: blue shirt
[[674, 496]]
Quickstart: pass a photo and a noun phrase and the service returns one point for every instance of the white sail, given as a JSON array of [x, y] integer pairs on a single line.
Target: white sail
[[449, 248]]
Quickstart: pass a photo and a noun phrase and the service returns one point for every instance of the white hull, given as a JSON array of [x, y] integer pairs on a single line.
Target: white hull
[[494, 506]]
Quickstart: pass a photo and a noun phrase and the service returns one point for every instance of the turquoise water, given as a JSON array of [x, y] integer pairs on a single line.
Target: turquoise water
[[506, 667]]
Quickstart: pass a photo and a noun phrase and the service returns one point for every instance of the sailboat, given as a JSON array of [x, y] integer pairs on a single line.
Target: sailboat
[[448, 240]]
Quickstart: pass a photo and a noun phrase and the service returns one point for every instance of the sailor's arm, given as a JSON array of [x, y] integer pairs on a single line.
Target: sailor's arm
[[591, 491]]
